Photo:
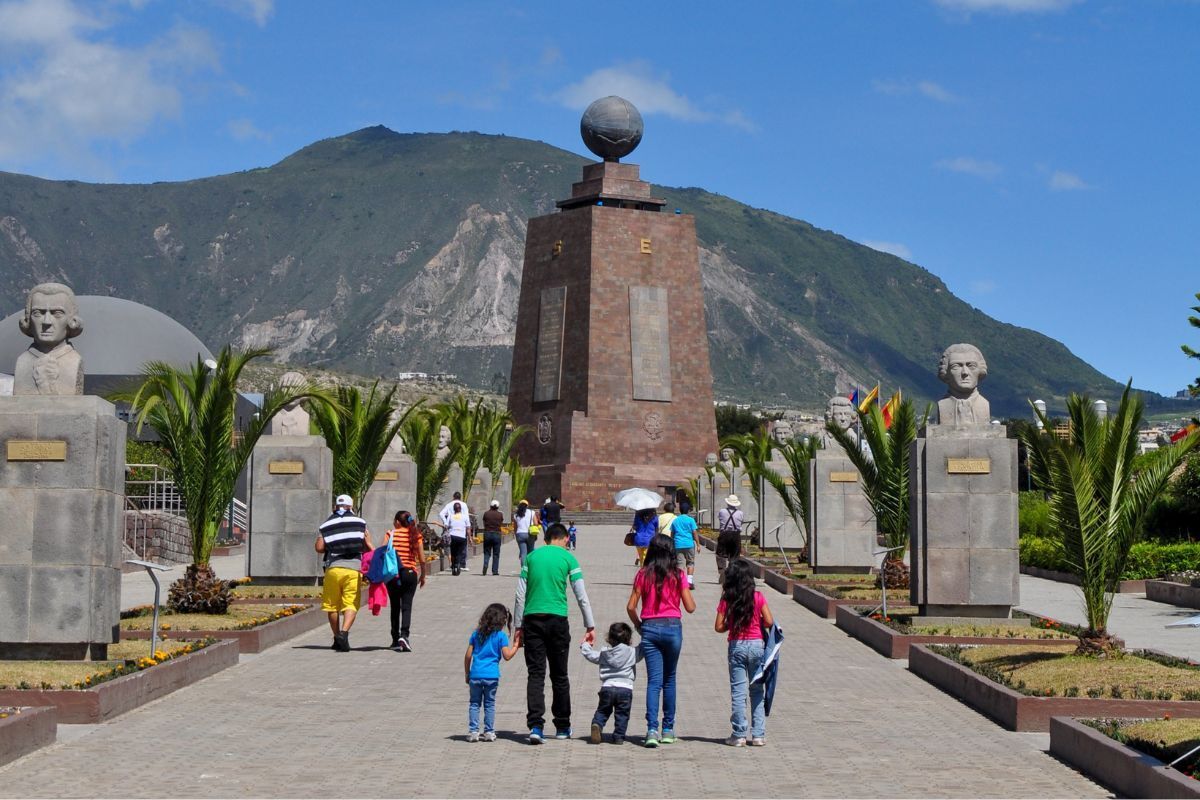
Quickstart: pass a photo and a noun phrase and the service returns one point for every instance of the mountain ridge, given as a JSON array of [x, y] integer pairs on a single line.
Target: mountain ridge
[[383, 252]]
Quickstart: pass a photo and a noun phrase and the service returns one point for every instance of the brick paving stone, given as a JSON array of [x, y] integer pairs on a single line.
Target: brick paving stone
[[302, 721]]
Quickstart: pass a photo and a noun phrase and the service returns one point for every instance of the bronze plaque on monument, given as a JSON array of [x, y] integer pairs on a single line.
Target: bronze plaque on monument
[[36, 450], [968, 466], [285, 468], [551, 322], [387, 475], [649, 337]]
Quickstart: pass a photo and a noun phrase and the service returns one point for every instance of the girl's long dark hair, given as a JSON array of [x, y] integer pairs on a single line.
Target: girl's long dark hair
[[660, 561], [495, 617], [738, 594], [521, 509]]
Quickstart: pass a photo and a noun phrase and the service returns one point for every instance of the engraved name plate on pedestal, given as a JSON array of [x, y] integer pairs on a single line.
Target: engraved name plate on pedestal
[[649, 337]]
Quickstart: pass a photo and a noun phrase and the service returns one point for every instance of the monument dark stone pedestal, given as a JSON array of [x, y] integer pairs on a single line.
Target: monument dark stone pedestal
[[842, 529], [292, 492], [610, 366]]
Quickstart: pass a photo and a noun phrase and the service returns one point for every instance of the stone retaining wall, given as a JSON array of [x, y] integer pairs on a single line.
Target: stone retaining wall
[[166, 536]]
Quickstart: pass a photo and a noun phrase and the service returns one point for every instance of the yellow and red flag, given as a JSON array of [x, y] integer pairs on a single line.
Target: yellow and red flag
[[889, 409], [872, 397], [1182, 432]]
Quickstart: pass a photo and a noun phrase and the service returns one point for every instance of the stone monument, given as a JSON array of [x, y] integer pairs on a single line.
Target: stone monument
[[963, 501], [618, 395], [394, 488], [291, 494], [63, 489], [842, 526]]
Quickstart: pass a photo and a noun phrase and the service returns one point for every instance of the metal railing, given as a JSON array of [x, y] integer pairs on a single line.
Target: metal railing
[[137, 529], [159, 493]]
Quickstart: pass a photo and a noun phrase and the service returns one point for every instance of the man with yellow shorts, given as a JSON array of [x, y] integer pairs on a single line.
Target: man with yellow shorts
[[342, 539]]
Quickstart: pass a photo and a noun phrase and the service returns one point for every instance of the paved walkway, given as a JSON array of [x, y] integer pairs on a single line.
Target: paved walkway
[[302, 721], [1140, 622]]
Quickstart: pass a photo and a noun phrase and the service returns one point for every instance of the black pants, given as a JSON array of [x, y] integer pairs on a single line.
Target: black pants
[[547, 639], [491, 550], [400, 597], [458, 553], [618, 701]]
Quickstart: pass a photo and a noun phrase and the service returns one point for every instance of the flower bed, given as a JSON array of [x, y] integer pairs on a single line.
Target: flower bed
[[823, 604], [252, 626], [893, 635], [112, 688], [23, 730], [1022, 686], [1126, 760]]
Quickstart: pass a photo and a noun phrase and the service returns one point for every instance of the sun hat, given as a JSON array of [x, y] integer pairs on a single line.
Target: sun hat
[[732, 501], [344, 500]]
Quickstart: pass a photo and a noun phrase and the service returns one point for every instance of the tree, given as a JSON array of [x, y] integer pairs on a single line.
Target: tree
[[885, 478], [358, 430], [734, 421], [754, 451], [1099, 499], [499, 438], [464, 422], [798, 455], [192, 411], [420, 433], [1194, 321], [521, 476]]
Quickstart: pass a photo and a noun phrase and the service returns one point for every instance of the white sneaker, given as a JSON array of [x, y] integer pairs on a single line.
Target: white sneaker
[[691, 584], [735, 741], [489, 736], [757, 741], [473, 736]]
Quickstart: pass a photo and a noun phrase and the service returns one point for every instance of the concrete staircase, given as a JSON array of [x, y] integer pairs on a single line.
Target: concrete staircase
[[581, 518]]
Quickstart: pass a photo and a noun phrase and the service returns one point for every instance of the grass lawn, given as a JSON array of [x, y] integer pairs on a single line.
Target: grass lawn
[[63, 674], [238, 617], [267, 591], [1165, 739], [1011, 630], [860, 592], [1042, 672], [836, 577]]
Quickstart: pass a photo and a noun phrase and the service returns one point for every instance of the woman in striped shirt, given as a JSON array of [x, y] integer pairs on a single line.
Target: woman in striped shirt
[[406, 539]]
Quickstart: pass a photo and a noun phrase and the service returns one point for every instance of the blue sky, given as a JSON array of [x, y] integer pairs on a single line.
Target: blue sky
[[1037, 155]]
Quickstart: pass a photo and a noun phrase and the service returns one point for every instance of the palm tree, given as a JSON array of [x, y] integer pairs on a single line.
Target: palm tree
[[885, 478], [1099, 499], [358, 430], [420, 433], [521, 476], [192, 411], [798, 455], [754, 451], [499, 437]]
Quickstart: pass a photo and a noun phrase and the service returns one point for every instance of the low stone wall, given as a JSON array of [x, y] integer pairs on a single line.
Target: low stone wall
[[22, 733], [158, 536], [1176, 594], [254, 640], [1121, 768], [1124, 587]]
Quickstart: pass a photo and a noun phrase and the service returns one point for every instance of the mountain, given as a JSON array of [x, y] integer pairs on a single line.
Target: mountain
[[378, 252]]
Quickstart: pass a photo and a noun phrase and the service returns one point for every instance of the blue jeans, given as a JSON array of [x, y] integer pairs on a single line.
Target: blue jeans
[[744, 657], [525, 545], [483, 692], [662, 639]]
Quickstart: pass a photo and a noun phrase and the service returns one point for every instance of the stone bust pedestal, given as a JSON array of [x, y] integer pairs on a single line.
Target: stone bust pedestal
[[394, 489], [291, 495], [62, 486], [790, 535], [963, 521], [842, 526]]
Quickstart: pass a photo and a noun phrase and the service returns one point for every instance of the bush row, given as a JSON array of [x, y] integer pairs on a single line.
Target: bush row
[[1146, 559]]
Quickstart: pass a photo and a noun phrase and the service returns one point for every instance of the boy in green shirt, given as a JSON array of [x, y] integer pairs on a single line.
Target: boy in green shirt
[[540, 616]]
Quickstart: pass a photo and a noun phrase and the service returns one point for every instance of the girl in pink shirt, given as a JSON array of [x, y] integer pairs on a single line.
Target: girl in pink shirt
[[660, 588], [743, 614]]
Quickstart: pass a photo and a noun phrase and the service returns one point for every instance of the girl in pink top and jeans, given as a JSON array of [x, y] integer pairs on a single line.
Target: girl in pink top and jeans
[[661, 588], [743, 613]]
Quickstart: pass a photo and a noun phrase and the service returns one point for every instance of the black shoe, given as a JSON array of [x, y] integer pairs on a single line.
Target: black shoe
[[395, 645], [342, 640], [404, 646], [454, 570]]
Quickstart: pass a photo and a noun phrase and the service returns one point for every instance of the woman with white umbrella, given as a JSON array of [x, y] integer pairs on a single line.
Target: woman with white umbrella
[[645, 521]]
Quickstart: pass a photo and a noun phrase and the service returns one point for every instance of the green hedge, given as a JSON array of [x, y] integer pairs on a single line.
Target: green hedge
[[1033, 514], [1146, 559]]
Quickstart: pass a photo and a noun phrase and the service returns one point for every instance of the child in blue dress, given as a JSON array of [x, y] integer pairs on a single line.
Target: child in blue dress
[[486, 646], [571, 536]]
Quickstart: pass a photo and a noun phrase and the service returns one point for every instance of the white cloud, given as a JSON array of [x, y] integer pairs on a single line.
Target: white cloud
[[926, 88], [258, 10], [244, 130], [1008, 6], [984, 286], [62, 89], [980, 168], [1066, 182], [895, 248], [651, 93]]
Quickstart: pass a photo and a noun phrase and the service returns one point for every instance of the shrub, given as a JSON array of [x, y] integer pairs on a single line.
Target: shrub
[[1039, 551], [1146, 559], [1033, 512]]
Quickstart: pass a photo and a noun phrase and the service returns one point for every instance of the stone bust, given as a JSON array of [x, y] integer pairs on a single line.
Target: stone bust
[[782, 435], [726, 462], [293, 419], [962, 369], [710, 460], [840, 411], [395, 449], [444, 439], [51, 365]]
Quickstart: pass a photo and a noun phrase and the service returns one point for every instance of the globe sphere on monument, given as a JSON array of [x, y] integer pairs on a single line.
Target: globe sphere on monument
[[611, 127]]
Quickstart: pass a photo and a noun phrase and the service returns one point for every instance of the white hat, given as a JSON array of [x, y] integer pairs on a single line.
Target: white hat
[[732, 501], [344, 500], [495, 504]]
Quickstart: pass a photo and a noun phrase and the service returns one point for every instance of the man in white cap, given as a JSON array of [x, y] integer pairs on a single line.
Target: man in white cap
[[342, 539], [729, 534], [493, 518]]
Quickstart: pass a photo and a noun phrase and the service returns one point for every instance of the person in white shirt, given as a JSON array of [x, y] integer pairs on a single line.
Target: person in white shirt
[[456, 516]]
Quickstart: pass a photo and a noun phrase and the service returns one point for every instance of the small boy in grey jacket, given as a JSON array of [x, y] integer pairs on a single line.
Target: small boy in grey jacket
[[617, 671]]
